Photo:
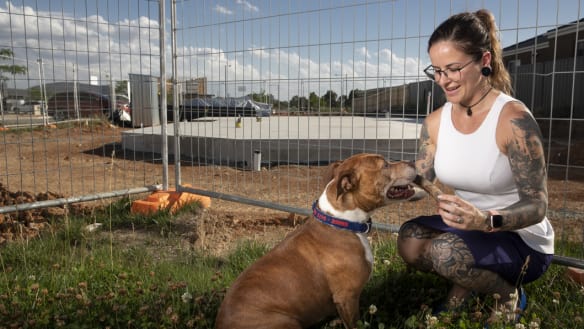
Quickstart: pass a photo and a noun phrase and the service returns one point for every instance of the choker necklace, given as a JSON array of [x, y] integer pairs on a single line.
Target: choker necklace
[[469, 108]]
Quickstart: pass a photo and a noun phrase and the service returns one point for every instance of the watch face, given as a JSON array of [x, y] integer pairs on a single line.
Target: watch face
[[497, 221]]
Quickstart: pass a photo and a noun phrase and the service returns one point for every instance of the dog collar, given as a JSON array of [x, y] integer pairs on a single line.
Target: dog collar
[[340, 223]]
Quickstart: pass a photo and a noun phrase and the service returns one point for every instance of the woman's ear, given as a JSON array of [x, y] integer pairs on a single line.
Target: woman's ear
[[486, 60]]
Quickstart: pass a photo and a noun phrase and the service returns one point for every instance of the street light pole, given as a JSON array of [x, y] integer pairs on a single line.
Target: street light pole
[[225, 92], [346, 86]]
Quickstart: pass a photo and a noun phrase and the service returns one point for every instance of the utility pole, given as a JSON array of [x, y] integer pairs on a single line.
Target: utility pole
[[225, 93]]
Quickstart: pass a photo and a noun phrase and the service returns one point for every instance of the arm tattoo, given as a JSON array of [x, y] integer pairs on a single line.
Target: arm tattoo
[[526, 157]]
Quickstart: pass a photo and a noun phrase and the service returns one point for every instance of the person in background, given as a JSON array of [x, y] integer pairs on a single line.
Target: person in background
[[492, 235]]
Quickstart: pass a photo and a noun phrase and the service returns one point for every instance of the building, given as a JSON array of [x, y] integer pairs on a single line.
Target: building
[[411, 100], [543, 71], [195, 88]]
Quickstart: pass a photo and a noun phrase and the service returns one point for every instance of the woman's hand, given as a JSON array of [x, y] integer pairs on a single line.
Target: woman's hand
[[460, 214]]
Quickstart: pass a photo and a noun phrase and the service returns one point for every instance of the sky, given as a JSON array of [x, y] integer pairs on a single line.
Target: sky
[[286, 48]]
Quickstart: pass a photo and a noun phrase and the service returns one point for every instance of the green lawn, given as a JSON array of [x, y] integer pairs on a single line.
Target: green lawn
[[71, 278]]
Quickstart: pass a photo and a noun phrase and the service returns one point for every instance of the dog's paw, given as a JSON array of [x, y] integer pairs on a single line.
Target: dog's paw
[[418, 194]]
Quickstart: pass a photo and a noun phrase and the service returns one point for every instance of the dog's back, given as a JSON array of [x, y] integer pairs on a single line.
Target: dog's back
[[300, 263]]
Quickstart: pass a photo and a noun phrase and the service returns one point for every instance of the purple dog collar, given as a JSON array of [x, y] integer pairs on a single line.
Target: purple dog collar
[[340, 223]]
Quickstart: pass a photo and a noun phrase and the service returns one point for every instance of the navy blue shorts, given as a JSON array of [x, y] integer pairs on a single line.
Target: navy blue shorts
[[500, 252]]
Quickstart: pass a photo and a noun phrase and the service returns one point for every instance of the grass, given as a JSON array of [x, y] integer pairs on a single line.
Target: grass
[[71, 278]]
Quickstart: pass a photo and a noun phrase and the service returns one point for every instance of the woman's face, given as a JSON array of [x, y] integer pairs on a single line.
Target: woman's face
[[458, 74]]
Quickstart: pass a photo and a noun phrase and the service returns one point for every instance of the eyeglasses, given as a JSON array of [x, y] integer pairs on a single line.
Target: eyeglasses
[[453, 73]]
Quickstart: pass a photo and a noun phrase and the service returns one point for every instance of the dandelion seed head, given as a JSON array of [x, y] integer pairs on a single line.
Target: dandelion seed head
[[187, 297], [372, 309]]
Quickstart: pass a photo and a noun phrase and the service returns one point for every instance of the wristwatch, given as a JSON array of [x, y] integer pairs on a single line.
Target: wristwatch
[[496, 220]]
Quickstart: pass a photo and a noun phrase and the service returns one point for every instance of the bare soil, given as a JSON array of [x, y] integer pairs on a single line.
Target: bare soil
[[49, 163]]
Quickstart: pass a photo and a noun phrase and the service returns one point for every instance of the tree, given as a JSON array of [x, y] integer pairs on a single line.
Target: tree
[[7, 54], [122, 87], [314, 101], [330, 99], [353, 94]]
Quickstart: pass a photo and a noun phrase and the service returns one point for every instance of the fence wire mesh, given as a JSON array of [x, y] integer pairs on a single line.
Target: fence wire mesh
[[261, 95]]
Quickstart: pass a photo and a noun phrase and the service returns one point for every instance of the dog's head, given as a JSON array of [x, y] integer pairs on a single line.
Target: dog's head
[[368, 181]]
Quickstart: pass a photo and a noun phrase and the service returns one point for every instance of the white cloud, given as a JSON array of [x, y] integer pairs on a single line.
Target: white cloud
[[363, 51], [118, 48], [247, 5], [222, 10]]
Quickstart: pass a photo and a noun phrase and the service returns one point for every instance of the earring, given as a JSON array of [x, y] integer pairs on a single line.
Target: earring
[[486, 71]]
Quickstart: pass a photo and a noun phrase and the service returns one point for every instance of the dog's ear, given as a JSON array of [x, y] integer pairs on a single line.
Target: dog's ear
[[332, 168], [346, 182]]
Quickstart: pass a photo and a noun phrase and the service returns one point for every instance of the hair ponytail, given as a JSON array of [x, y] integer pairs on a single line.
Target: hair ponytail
[[500, 78]]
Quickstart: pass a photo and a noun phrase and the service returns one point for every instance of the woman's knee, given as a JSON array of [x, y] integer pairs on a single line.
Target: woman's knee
[[409, 244], [449, 254]]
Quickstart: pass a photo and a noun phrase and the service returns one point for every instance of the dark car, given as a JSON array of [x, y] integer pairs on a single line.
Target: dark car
[[90, 105], [220, 107]]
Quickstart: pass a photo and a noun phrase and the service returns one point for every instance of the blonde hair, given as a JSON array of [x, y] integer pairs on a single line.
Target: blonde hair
[[475, 33]]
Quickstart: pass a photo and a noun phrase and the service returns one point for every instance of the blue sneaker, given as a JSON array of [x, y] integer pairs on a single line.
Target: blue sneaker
[[521, 304]]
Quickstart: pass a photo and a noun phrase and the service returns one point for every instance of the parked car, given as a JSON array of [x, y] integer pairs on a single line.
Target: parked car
[[62, 106], [11, 104], [220, 107], [31, 107]]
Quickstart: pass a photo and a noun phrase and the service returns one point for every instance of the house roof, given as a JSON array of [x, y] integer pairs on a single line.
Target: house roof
[[542, 40], [57, 87]]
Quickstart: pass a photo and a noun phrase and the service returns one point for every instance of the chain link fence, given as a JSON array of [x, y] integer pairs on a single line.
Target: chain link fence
[[249, 101]]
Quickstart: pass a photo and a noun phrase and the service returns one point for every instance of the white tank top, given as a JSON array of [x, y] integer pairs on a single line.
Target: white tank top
[[479, 173]]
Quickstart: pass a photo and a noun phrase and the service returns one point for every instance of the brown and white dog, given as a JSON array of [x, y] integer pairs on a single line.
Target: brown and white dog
[[321, 268]]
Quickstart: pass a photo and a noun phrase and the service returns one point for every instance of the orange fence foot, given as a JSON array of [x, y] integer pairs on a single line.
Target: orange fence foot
[[577, 274], [170, 200]]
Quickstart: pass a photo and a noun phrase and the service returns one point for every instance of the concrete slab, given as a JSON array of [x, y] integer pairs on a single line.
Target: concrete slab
[[281, 139]]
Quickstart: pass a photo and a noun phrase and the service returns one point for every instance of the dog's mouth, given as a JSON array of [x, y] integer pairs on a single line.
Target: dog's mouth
[[400, 192]]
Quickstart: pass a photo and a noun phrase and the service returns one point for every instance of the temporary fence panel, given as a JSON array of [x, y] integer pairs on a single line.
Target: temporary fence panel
[[67, 99], [261, 95]]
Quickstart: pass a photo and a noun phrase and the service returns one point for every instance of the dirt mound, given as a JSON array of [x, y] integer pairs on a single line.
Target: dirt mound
[[26, 224]]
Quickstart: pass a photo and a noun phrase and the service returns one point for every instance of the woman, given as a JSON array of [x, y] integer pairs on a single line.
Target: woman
[[492, 235]]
